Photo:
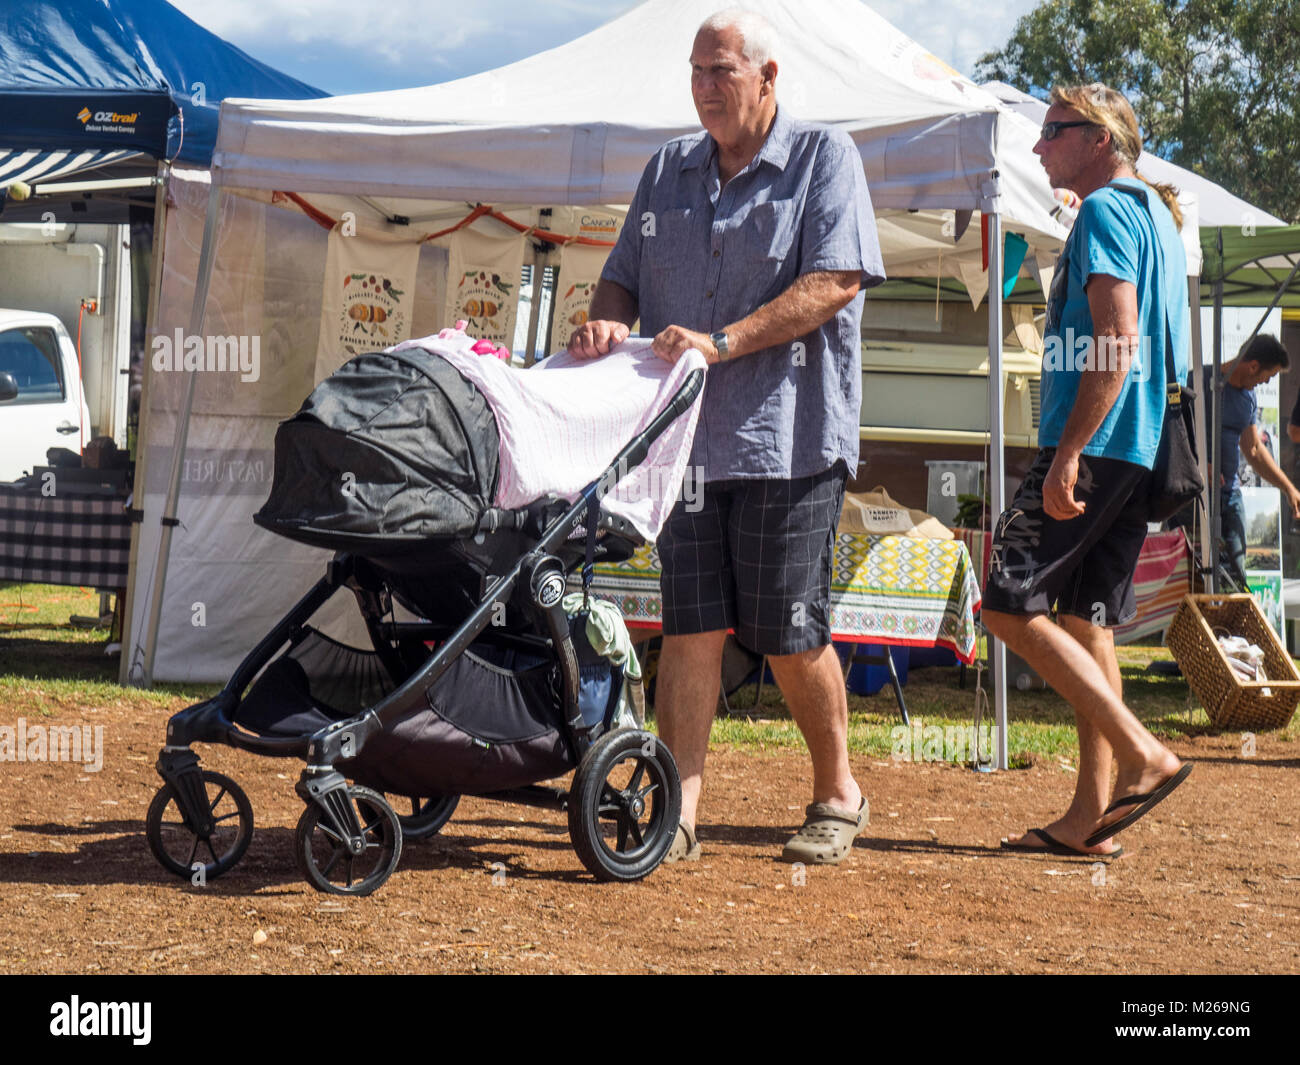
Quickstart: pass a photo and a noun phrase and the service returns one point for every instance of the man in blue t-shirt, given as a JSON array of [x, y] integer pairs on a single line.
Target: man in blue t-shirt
[[1259, 360], [1116, 316]]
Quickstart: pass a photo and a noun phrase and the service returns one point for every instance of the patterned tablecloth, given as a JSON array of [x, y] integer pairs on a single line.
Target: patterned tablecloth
[[896, 590], [64, 539]]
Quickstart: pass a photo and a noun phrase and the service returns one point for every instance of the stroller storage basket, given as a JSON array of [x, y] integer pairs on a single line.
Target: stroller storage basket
[[489, 723], [318, 680]]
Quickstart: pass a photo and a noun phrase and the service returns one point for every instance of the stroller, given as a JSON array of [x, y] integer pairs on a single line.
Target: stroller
[[392, 463]]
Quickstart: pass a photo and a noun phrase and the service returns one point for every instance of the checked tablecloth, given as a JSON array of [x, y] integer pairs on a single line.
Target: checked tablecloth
[[898, 590], [63, 539]]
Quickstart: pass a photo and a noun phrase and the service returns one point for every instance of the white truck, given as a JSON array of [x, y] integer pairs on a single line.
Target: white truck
[[42, 402], [62, 280]]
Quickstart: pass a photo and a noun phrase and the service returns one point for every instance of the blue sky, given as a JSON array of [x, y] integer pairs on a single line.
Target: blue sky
[[343, 46]]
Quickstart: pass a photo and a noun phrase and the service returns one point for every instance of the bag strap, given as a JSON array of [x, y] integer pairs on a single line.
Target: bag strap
[[1171, 374]]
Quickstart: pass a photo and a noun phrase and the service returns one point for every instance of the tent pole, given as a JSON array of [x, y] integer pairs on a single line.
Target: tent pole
[[1216, 425], [533, 345], [182, 432], [142, 452], [997, 441]]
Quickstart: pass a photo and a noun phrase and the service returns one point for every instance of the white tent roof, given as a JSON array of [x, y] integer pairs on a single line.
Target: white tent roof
[[576, 124], [1216, 206]]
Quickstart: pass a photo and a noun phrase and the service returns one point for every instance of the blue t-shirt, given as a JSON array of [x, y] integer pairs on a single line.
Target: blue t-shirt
[[1240, 412], [1130, 236]]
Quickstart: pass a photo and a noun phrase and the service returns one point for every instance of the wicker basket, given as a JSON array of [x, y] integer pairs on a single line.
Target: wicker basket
[[1231, 702]]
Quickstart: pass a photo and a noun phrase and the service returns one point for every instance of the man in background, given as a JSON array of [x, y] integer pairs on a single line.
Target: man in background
[[1260, 359]]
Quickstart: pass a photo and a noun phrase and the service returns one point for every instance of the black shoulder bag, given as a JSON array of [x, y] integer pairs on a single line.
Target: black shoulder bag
[[1176, 476]]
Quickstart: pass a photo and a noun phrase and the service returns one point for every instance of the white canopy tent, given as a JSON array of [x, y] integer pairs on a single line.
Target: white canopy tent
[[572, 126]]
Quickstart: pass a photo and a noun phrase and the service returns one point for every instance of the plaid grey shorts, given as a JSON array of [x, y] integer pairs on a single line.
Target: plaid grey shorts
[[754, 556]]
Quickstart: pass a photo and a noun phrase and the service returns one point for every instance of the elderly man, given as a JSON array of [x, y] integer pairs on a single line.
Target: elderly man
[[1072, 536], [752, 242]]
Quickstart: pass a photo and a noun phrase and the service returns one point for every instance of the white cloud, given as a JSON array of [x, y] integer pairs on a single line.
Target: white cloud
[[342, 46]]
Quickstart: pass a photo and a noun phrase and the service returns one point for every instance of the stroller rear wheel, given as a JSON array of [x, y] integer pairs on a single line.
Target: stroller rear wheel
[[324, 857], [427, 816], [624, 805], [180, 849]]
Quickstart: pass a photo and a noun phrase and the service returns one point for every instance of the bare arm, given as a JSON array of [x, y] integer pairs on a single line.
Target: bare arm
[[1293, 431], [1113, 304], [809, 301], [1252, 447]]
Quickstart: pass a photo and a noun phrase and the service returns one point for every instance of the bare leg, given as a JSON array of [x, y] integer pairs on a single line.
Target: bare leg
[[1092, 788], [813, 686], [1143, 762], [686, 698]]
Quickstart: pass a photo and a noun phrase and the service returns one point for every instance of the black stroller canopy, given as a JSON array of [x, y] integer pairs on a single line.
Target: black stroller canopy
[[393, 448]]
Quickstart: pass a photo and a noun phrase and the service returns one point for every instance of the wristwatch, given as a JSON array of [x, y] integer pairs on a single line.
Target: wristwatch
[[720, 342]]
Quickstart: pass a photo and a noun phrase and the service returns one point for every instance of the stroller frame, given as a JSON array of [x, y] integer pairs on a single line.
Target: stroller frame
[[357, 820]]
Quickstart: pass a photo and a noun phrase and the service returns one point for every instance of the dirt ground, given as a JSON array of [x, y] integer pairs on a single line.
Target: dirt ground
[[1210, 884]]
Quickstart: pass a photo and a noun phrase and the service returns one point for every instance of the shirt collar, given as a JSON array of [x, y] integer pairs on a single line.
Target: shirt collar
[[775, 150]]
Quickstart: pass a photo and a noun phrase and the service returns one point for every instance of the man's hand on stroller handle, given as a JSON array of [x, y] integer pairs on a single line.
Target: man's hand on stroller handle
[[594, 338], [676, 341]]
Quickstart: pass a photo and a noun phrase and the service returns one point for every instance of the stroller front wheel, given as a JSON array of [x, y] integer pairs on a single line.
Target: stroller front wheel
[[624, 805], [180, 849], [327, 863]]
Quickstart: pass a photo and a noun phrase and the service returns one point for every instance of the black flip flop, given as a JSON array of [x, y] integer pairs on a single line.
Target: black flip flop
[[1145, 804], [1055, 847]]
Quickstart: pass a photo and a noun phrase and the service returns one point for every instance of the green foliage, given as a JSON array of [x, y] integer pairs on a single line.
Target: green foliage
[[970, 511], [1215, 83]]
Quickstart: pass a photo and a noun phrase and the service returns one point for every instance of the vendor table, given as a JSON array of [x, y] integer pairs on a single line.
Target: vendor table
[[80, 540], [896, 590]]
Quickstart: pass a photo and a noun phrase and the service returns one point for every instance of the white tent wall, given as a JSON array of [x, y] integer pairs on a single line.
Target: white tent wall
[[227, 580], [226, 576]]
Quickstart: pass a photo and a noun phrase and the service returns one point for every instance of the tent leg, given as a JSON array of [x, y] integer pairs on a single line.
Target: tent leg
[[997, 460], [141, 452], [197, 311]]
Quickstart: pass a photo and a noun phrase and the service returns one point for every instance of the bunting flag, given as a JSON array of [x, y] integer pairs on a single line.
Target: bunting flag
[[483, 278], [367, 299], [580, 267]]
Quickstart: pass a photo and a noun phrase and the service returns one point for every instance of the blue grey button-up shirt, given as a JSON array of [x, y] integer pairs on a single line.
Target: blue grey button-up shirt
[[701, 256]]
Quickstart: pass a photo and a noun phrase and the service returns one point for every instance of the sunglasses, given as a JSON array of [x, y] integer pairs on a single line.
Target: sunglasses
[[1051, 130]]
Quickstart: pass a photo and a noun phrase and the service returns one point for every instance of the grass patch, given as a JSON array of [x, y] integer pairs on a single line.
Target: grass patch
[[47, 665]]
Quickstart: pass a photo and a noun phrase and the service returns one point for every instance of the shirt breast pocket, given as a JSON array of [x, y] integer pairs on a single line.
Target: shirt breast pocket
[[764, 245], [669, 239]]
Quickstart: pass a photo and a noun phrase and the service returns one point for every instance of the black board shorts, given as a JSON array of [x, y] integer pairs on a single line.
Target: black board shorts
[[754, 556], [1083, 566]]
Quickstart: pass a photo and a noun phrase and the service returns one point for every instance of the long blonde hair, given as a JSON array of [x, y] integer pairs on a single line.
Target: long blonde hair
[[1111, 111]]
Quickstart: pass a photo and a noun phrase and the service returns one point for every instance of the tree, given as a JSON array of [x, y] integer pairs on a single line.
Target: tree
[[1215, 83]]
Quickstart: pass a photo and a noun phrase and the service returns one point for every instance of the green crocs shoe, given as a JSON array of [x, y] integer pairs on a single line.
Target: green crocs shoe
[[827, 834], [685, 848]]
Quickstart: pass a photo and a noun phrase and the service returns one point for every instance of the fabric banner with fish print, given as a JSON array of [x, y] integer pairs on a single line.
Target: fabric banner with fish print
[[580, 267], [483, 276], [368, 296]]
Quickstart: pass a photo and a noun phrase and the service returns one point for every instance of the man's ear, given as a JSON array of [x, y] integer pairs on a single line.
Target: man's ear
[[768, 72]]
